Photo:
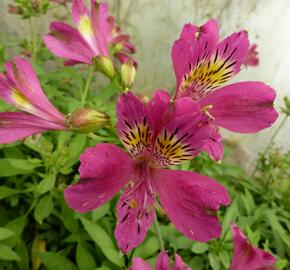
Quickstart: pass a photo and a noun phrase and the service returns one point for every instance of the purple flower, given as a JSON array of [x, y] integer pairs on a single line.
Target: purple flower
[[202, 64], [96, 34], [247, 256], [20, 87], [161, 264], [157, 134], [252, 58]]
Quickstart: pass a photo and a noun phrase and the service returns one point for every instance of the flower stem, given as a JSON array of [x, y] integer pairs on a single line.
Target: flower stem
[[273, 137], [34, 29], [158, 233], [87, 86]]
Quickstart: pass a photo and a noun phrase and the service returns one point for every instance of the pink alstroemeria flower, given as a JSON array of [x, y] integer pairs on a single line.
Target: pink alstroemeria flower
[[252, 58], [161, 264], [202, 64], [247, 256], [20, 87], [157, 134], [95, 34]]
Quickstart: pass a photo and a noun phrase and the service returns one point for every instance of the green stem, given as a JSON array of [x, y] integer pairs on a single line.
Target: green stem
[[273, 137], [87, 86], [158, 233], [34, 29]]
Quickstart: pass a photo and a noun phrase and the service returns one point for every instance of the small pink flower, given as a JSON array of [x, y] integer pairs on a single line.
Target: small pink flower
[[161, 264], [252, 58], [247, 256], [202, 64], [20, 87], [157, 134], [96, 34]]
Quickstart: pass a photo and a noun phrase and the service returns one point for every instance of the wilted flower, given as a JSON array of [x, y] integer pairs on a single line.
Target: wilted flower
[[20, 87], [156, 134], [161, 264], [96, 34], [252, 58], [86, 120], [202, 65], [247, 256]]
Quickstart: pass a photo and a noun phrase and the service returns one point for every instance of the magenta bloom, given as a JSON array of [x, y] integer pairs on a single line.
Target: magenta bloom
[[161, 264], [20, 87], [96, 34], [252, 58], [202, 64], [247, 256], [157, 134]]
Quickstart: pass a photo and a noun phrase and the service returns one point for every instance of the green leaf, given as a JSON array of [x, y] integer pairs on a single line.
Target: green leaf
[[196, 263], [5, 233], [11, 166], [22, 252], [230, 216], [6, 192], [43, 208], [100, 211], [84, 258], [54, 261], [6, 253], [225, 258], [199, 248], [68, 218], [114, 256], [47, 183], [103, 241], [17, 226], [149, 247], [98, 234], [214, 261]]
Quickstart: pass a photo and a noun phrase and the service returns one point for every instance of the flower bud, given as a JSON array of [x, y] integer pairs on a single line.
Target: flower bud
[[105, 65], [87, 120], [128, 73]]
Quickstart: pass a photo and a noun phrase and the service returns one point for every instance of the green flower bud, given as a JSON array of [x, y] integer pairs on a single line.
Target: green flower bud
[[87, 120], [128, 73], [105, 65]]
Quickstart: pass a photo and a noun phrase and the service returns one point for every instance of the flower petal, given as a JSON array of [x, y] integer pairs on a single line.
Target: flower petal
[[133, 126], [191, 202], [181, 139], [162, 261], [104, 170], [26, 93], [79, 10], [252, 58], [135, 213], [210, 68], [179, 264], [86, 26], [101, 26], [16, 126], [139, 264], [247, 256], [65, 41], [214, 145], [157, 110], [245, 107]]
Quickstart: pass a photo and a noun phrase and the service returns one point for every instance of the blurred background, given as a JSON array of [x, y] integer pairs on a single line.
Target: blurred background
[[154, 25]]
